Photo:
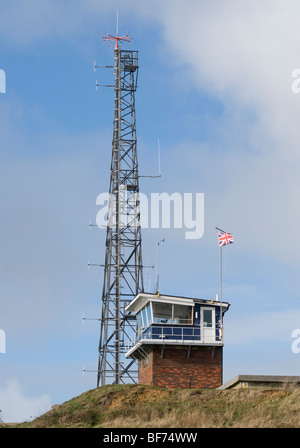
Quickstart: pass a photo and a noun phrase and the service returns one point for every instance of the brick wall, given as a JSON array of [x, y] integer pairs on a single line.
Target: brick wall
[[201, 370]]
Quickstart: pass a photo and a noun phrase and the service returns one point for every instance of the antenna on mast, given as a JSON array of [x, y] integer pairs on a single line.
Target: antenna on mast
[[156, 281], [116, 38], [159, 169], [117, 22], [158, 147]]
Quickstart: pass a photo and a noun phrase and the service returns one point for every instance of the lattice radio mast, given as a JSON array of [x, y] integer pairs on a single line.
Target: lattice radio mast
[[123, 270]]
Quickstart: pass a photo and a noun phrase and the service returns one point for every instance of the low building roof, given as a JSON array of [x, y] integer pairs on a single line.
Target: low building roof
[[260, 379]]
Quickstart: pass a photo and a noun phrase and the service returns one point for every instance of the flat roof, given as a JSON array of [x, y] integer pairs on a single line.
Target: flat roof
[[144, 297], [260, 379]]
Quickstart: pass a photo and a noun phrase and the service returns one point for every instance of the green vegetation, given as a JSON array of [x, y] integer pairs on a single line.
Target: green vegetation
[[138, 406]]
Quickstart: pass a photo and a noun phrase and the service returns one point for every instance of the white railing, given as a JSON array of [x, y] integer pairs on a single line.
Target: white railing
[[176, 321], [172, 333]]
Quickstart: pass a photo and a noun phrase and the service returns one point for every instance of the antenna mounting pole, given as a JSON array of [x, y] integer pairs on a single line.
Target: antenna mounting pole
[[123, 269], [117, 39]]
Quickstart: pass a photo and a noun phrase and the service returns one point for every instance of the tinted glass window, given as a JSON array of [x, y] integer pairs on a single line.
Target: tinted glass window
[[139, 320], [207, 318], [182, 314], [162, 313]]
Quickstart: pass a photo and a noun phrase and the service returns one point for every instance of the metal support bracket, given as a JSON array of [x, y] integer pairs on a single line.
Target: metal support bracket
[[189, 351]]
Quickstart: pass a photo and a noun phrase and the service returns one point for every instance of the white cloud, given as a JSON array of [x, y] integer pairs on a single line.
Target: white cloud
[[243, 54], [16, 407]]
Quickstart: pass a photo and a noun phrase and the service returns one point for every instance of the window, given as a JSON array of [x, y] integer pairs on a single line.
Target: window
[[182, 314], [139, 320], [162, 313], [207, 318], [149, 314], [144, 317], [166, 313]]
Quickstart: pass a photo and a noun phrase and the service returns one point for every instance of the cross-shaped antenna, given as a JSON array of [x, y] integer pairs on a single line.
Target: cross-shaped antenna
[[117, 38]]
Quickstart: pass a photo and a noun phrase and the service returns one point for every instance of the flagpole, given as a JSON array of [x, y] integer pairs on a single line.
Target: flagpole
[[221, 281], [221, 287], [224, 239], [221, 276]]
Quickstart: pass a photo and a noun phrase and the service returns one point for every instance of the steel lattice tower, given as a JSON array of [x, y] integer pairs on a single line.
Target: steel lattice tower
[[123, 271]]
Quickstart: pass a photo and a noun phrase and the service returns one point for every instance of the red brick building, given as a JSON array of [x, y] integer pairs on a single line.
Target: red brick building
[[179, 341]]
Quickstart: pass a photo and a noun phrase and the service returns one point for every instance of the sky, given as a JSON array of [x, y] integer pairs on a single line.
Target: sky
[[215, 88]]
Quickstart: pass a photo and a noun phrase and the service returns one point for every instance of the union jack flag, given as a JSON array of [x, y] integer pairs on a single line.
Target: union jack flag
[[225, 238]]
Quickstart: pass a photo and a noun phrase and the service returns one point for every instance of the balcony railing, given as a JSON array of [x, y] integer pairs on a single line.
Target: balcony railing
[[175, 334], [170, 321]]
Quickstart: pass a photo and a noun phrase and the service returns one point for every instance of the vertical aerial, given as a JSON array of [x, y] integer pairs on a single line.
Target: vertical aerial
[[123, 271]]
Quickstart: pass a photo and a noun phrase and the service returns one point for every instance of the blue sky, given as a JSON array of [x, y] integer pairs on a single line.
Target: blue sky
[[215, 89]]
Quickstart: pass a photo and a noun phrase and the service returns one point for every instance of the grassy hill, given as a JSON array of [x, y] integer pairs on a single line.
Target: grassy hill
[[138, 406]]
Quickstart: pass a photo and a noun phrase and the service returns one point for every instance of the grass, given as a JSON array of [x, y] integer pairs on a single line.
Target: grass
[[138, 406]]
